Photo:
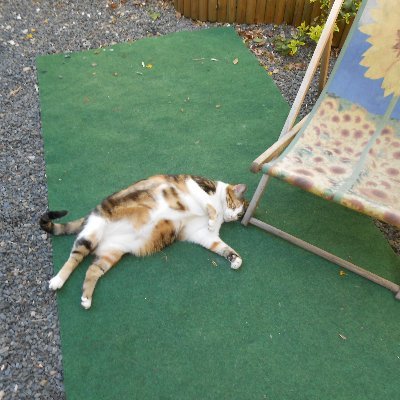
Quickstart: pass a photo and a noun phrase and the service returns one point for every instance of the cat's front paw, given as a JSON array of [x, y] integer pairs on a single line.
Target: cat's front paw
[[85, 302], [211, 225], [56, 283], [236, 261]]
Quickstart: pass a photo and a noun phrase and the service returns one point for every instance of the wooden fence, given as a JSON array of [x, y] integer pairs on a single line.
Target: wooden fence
[[291, 12]]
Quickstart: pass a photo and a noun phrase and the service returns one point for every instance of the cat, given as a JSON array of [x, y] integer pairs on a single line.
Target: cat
[[146, 217]]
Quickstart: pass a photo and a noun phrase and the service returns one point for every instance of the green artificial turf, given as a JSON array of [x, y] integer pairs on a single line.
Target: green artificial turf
[[180, 324]]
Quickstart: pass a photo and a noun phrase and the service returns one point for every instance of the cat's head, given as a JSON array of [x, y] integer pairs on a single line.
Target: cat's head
[[235, 204]]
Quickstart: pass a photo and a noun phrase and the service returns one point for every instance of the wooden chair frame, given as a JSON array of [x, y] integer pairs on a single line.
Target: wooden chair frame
[[321, 55]]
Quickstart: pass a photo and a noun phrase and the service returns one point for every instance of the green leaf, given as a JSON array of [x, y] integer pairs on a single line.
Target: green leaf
[[258, 40], [154, 15]]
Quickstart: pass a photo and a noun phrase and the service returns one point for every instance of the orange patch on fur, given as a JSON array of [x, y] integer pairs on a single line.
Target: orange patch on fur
[[111, 258], [163, 235], [231, 199], [212, 212], [214, 246]]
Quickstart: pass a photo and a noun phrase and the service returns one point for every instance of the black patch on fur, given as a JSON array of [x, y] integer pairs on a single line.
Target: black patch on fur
[[231, 257], [173, 191], [174, 178], [245, 206], [107, 205], [207, 185], [84, 242], [57, 214], [135, 196], [180, 206], [45, 221]]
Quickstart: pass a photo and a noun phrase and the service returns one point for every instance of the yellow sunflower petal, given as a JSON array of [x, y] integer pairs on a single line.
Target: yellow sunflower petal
[[383, 57]]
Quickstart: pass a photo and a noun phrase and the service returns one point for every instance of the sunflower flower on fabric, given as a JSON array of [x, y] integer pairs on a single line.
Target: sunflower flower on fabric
[[383, 58]]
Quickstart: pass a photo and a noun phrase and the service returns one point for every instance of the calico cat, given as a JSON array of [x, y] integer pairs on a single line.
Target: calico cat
[[146, 217]]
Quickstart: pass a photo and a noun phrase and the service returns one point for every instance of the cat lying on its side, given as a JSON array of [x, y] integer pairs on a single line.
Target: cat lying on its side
[[146, 217]]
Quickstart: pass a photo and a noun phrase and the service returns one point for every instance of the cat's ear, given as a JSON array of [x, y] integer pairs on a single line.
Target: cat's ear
[[239, 190]]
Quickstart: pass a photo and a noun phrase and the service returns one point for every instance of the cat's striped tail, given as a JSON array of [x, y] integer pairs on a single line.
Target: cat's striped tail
[[69, 228]]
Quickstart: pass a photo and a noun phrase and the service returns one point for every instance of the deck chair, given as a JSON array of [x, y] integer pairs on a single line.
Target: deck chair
[[347, 150]]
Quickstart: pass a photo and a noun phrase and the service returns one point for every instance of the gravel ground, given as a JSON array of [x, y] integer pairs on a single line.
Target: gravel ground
[[30, 357]]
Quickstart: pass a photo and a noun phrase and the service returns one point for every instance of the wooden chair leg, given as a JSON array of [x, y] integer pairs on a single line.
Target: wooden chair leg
[[323, 69], [255, 199], [312, 67]]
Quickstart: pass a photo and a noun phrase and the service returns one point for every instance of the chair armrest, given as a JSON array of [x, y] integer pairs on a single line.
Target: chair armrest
[[277, 148]]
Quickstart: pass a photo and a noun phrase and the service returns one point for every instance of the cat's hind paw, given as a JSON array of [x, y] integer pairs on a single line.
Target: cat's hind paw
[[56, 283], [86, 303], [236, 262]]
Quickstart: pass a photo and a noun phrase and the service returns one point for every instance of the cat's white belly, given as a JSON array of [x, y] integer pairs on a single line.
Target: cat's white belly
[[121, 235], [198, 227]]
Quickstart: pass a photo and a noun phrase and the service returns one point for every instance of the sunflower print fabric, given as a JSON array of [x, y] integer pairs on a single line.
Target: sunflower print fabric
[[325, 160]]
